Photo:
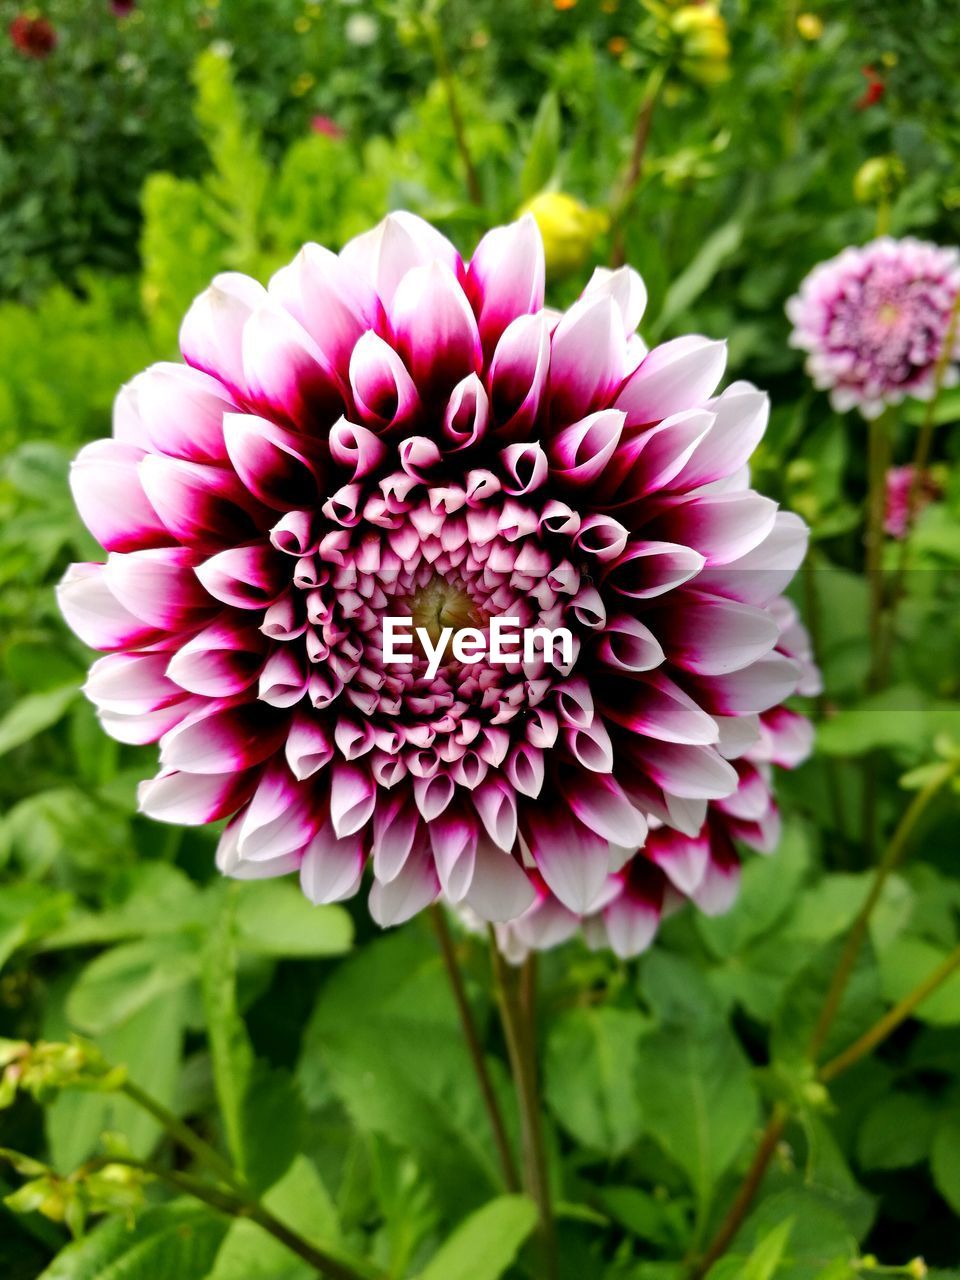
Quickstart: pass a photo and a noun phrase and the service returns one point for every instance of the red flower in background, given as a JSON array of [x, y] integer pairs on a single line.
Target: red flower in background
[[876, 88], [34, 37], [123, 7], [328, 127]]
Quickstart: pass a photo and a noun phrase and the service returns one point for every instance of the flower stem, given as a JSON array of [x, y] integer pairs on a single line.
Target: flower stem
[[520, 1038], [781, 1114], [892, 858], [921, 460], [891, 1020], [474, 1048], [631, 180], [238, 1206], [184, 1135], [449, 81], [745, 1196]]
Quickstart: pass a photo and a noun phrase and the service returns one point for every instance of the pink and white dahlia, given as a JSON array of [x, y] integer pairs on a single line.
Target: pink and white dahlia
[[687, 860], [390, 431], [874, 322]]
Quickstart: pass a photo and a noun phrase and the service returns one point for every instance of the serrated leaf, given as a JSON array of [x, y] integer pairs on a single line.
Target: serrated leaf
[[699, 1100], [170, 1243]]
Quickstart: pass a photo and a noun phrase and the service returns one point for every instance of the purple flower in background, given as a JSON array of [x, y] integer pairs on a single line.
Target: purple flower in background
[[898, 516], [874, 321], [392, 432], [123, 7]]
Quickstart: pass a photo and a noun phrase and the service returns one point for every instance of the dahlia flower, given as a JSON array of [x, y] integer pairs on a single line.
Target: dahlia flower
[[392, 432], [684, 861], [874, 322], [897, 516]]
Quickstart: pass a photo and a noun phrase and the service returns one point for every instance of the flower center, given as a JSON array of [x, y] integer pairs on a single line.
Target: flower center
[[440, 604]]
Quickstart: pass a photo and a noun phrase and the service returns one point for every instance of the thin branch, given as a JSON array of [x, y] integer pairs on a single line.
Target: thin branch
[[474, 1048], [780, 1114], [921, 460], [449, 81], [891, 860], [237, 1206], [891, 1020], [519, 1036], [745, 1196], [184, 1135], [631, 180]]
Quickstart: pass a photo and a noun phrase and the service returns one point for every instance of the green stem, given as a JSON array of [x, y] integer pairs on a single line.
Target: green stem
[[474, 1048], [631, 180], [921, 460], [184, 1135], [891, 1020], [449, 81], [745, 1196], [896, 849], [812, 615], [520, 1038], [878, 449], [237, 1206], [781, 1114]]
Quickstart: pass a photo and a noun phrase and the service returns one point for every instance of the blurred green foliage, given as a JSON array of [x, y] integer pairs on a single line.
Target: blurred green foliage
[[152, 150]]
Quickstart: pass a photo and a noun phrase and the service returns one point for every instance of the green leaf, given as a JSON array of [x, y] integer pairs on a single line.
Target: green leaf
[[159, 899], [589, 1073], [896, 1132], [230, 1047], [768, 889], [123, 980], [699, 1101], [945, 1159], [907, 962], [275, 919], [764, 1261], [385, 1040], [27, 912], [173, 1242], [901, 717], [300, 1200], [148, 1044], [802, 1003], [698, 274], [34, 713], [484, 1246], [543, 152]]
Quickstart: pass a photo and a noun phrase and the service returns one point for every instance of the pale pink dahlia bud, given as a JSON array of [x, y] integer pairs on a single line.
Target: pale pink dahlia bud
[[874, 321], [906, 498], [389, 432]]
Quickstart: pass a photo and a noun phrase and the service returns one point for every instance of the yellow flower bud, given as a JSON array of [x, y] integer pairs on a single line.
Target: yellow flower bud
[[878, 179], [810, 26], [704, 48], [917, 1268], [569, 229]]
